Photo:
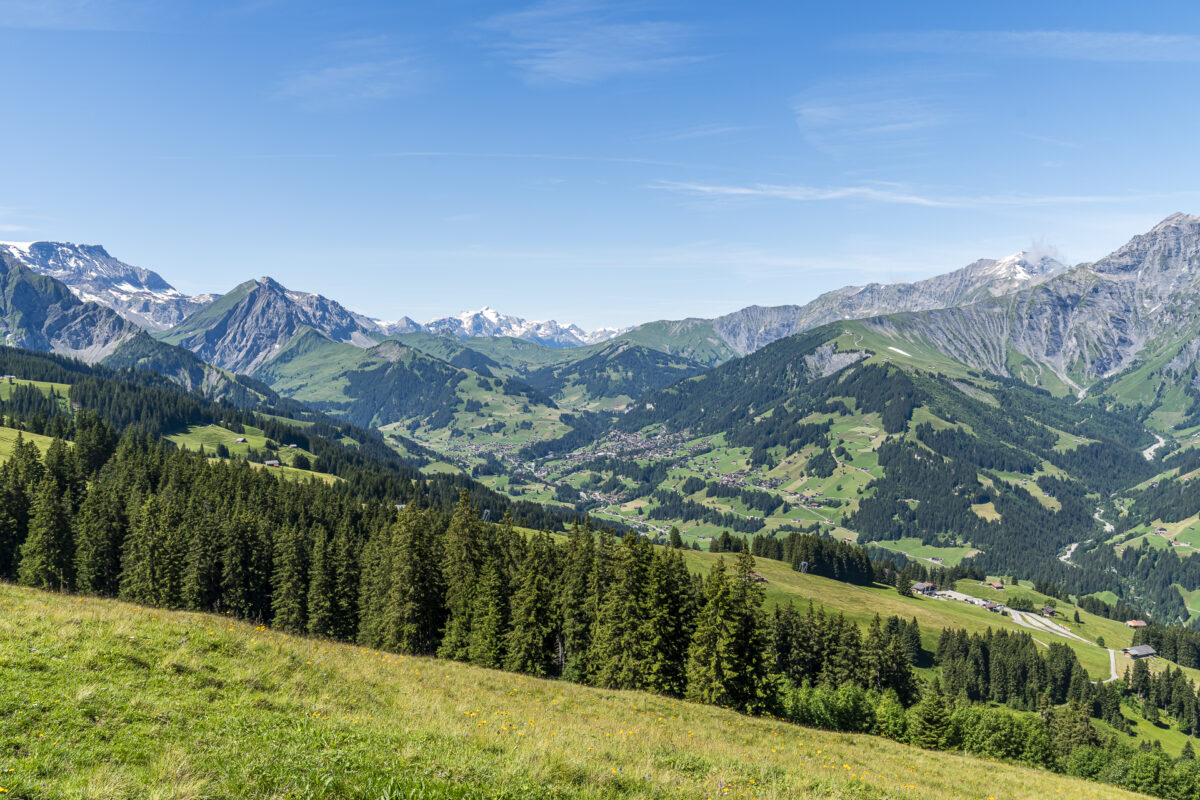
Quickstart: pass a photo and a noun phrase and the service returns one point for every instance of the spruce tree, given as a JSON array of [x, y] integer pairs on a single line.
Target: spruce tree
[[47, 552], [490, 620], [621, 649], [575, 604], [320, 586], [460, 569], [928, 720], [100, 529], [672, 619], [413, 608], [289, 580], [727, 660], [140, 555], [530, 640]]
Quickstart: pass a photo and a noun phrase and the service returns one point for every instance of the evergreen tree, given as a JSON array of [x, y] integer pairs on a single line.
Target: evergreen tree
[[530, 640], [100, 529], [290, 580], [727, 656], [47, 551], [460, 568], [575, 604], [928, 720], [413, 610], [673, 611], [490, 620], [621, 651], [141, 555], [320, 586]]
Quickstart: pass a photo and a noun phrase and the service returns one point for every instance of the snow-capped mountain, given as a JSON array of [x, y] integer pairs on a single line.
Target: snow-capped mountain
[[91, 274], [489, 322]]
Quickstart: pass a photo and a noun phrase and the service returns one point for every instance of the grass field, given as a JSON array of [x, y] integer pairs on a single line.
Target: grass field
[[861, 603], [8, 437], [210, 436], [6, 387], [100, 699]]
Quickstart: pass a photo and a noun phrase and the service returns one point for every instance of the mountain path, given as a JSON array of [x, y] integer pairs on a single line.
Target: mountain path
[[1148, 453]]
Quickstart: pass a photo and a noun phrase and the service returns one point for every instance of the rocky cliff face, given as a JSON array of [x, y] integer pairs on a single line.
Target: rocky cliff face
[[751, 328], [1084, 324], [245, 328], [137, 294], [40, 313]]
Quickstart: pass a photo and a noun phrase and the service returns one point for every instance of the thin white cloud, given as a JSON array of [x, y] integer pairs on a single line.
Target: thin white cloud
[[897, 194], [577, 42], [352, 72], [1067, 45]]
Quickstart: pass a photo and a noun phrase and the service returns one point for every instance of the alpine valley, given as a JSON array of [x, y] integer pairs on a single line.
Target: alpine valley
[[1018, 430]]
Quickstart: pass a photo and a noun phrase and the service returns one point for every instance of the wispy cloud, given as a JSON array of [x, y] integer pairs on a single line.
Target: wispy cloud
[[896, 194], [579, 42], [702, 132], [353, 72], [1070, 45], [896, 111]]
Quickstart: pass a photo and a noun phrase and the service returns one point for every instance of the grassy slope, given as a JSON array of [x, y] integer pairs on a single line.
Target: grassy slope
[[8, 436], [861, 603], [209, 436], [100, 699]]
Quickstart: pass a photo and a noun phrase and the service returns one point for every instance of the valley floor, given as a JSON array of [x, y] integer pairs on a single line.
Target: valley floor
[[100, 699]]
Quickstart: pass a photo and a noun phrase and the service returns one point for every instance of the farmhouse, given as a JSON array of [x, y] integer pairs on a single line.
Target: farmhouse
[[1135, 623], [995, 608], [1047, 611], [926, 589], [1140, 651], [755, 577], [997, 586], [271, 463], [240, 440]]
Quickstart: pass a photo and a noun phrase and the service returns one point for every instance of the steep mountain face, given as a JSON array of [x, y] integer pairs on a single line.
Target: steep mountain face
[[247, 327], [137, 294], [1082, 325], [751, 328], [489, 322], [40, 313]]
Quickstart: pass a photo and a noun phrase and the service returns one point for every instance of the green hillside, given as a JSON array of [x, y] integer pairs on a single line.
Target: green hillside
[[106, 700]]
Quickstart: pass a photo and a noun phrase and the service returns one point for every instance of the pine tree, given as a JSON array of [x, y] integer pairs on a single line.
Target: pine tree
[[530, 640], [140, 555], [728, 653], [413, 610], [621, 648], [320, 586], [673, 612], [928, 720], [490, 620], [202, 574], [289, 580], [575, 635], [100, 529], [47, 551], [460, 569]]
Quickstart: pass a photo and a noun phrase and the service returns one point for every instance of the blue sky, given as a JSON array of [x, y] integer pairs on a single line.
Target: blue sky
[[600, 163]]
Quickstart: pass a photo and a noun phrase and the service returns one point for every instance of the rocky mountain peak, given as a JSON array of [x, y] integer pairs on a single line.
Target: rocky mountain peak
[[138, 294]]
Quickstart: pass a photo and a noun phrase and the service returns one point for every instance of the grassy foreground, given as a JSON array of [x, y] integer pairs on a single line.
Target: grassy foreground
[[100, 699]]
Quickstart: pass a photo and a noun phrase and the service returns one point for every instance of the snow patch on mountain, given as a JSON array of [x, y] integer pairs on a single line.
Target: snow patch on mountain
[[487, 321], [92, 275]]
